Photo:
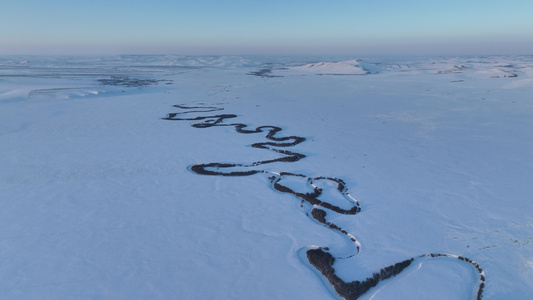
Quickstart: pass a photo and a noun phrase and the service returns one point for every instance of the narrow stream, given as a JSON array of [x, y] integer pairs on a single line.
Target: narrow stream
[[321, 209]]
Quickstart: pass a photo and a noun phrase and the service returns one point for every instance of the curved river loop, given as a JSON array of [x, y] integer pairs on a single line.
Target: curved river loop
[[321, 258]]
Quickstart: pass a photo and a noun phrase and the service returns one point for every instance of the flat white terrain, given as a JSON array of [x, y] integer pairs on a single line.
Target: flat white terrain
[[99, 198]]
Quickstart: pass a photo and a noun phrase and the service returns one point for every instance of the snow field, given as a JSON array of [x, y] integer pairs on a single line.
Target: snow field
[[97, 200]]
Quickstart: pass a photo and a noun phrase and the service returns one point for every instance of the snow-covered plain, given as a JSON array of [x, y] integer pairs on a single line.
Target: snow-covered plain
[[98, 199]]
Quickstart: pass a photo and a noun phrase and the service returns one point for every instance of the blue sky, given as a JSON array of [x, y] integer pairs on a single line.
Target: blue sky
[[344, 27]]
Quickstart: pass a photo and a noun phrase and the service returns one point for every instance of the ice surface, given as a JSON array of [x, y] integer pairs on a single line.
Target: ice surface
[[97, 199]]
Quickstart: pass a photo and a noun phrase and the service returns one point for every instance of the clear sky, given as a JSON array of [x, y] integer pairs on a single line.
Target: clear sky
[[343, 27]]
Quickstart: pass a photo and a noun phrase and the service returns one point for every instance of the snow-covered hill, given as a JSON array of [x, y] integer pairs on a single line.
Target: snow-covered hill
[[350, 67]]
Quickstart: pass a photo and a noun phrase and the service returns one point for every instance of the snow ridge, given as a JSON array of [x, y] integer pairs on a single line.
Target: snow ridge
[[350, 67]]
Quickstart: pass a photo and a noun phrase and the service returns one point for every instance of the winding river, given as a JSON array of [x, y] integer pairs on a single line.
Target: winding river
[[203, 116]]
